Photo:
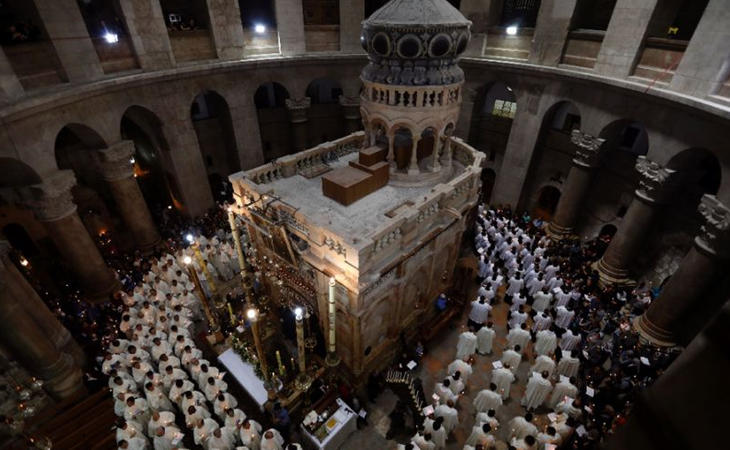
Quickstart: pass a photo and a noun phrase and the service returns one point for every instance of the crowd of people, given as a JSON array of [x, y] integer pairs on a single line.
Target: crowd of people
[[586, 364]]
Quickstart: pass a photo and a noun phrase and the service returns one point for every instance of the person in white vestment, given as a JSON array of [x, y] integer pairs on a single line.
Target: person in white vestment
[[515, 285], [467, 345], [549, 436], [135, 443], [537, 391], [137, 410], [423, 441], [272, 440], [127, 429], [512, 358], [167, 437], [488, 399], [569, 341], [220, 439], [449, 414], [485, 339], [568, 365], [519, 299], [223, 401], [461, 366], [570, 407], [156, 398], [543, 363], [250, 434], [489, 417], [436, 429], [455, 383], [480, 435], [563, 388], [541, 321], [479, 312], [160, 419], [520, 426], [503, 379], [443, 390], [528, 443], [203, 429], [545, 342], [517, 318], [563, 316], [518, 337], [541, 300], [234, 417]]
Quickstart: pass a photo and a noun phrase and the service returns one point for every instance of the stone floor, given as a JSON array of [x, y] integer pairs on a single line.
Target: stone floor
[[440, 353]]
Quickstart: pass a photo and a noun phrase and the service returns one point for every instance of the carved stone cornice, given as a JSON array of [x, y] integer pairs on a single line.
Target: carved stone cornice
[[589, 148], [714, 237], [298, 108], [52, 200], [114, 162], [656, 182]]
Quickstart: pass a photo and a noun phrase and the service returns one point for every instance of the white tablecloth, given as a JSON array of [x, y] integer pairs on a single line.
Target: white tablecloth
[[243, 372], [346, 424]]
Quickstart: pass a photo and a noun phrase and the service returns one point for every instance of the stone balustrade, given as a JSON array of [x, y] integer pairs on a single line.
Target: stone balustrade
[[413, 96]]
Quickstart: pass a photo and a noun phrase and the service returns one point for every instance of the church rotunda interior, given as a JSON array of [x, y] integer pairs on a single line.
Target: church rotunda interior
[[364, 224]]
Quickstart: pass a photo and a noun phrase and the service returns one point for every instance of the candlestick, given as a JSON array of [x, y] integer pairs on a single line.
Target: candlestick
[[203, 297], [332, 358], [237, 242], [282, 370], [230, 313], [303, 380]]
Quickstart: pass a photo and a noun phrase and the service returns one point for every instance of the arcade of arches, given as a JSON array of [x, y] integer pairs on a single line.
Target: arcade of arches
[[125, 125]]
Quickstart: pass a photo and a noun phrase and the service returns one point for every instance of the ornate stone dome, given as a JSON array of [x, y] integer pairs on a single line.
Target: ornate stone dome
[[415, 43]]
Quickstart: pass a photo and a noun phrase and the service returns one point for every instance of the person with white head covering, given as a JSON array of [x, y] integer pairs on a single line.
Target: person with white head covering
[[250, 434], [272, 440]]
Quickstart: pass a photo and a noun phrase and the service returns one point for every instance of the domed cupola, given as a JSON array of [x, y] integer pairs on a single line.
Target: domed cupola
[[415, 43]]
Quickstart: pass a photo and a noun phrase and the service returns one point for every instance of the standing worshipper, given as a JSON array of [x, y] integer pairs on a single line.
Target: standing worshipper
[[443, 390], [564, 388], [485, 338], [541, 300], [250, 434], [545, 342], [518, 336], [568, 365], [512, 358], [541, 321], [569, 341], [514, 285], [459, 365], [537, 391], [563, 316], [480, 435], [503, 379], [488, 399], [543, 363], [520, 427], [449, 414], [467, 345], [479, 313], [437, 430], [517, 318]]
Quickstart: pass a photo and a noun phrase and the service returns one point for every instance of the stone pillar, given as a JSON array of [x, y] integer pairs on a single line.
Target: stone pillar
[[435, 152], [576, 185], [551, 31], [248, 135], [298, 117], [703, 67], [19, 288], [68, 33], [351, 113], [352, 13], [147, 29], [290, 25], [52, 204], [413, 166], [700, 269], [654, 185], [624, 37], [447, 152], [10, 87], [391, 152], [226, 28], [483, 14], [117, 171]]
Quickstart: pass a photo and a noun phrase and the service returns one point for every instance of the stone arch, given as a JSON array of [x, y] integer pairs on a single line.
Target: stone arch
[[488, 178], [427, 150], [547, 200], [552, 156], [402, 140], [274, 128], [17, 174], [211, 118], [491, 121]]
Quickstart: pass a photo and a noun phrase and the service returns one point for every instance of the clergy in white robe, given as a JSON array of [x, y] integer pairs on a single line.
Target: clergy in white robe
[[519, 299], [234, 417], [512, 358], [167, 437], [514, 285], [137, 410], [517, 318], [549, 437], [122, 385], [220, 439], [563, 316], [156, 398], [437, 431], [537, 391], [569, 340], [487, 417], [467, 345], [250, 434], [455, 383], [193, 415], [528, 443], [135, 443], [570, 407], [545, 342], [541, 300], [541, 321], [562, 389], [203, 430], [503, 379], [543, 363], [272, 440], [461, 366], [518, 337], [449, 414], [160, 419], [488, 399], [479, 312], [519, 427], [223, 401], [423, 441], [485, 339], [177, 389], [568, 365], [443, 390], [480, 435], [127, 429]]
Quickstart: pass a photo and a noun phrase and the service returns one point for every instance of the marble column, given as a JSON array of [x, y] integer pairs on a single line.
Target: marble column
[[18, 287], [147, 29], [299, 117], [700, 269], [10, 87], [654, 185], [52, 204], [352, 13], [351, 113], [551, 31], [435, 152], [68, 33], [28, 343], [117, 171], [413, 166], [576, 186], [226, 28], [448, 156], [290, 25]]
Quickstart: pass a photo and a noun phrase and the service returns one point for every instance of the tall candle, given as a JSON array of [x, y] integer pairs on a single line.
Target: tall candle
[[300, 344], [230, 313], [332, 315], [282, 371], [237, 241]]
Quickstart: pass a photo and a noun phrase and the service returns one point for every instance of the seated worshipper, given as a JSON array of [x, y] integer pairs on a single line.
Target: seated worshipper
[[272, 440], [423, 441], [517, 318], [519, 427], [518, 337], [549, 436], [537, 391], [512, 358], [545, 342], [543, 363], [135, 443], [542, 300], [480, 434], [460, 366], [488, 399], [437, 431], [449, 414], [563, 388], [234, 418], [479, 313], [167, 437], [203, 429], [528, 443], [220, 439], [485, 338], [503, 379], [443, 390], [467, 345], [541, 321], [568, 365], [455, 383], [250, 434]]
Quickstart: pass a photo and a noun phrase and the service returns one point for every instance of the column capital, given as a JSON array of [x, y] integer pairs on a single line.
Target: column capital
[[114, 162], [714, 236], [655, 182], [52, 200], [589, 148], [298, 108]]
